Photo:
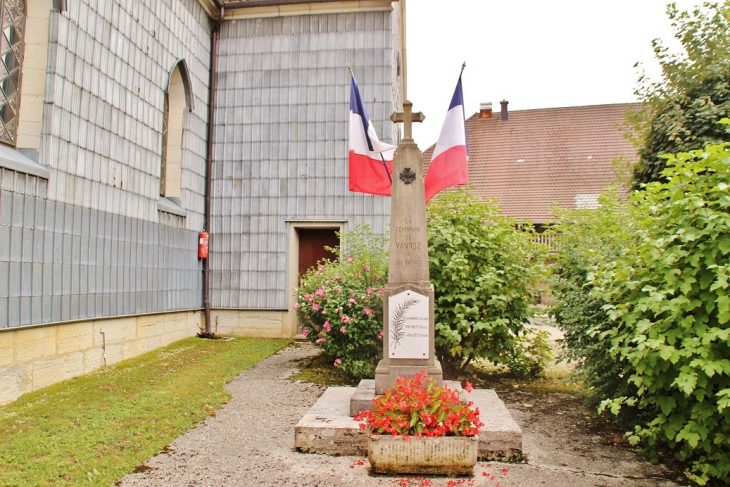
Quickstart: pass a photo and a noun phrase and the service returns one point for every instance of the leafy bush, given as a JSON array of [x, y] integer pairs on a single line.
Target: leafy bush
[[672, 310], [531, 355], [661, 283], [484, 272], [587, 240], [340, 306]]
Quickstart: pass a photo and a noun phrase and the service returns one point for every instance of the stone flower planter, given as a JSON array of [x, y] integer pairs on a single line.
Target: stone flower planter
[[444, 455]]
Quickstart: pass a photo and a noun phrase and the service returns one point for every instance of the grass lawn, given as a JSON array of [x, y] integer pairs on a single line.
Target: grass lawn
[[96, 428]]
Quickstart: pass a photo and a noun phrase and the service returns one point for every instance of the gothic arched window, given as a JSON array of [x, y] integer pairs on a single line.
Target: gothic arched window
[[11, 51], [178, 98]]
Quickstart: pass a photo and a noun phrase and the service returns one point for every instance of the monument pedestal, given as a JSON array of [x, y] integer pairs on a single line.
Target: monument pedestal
[[328, 426]]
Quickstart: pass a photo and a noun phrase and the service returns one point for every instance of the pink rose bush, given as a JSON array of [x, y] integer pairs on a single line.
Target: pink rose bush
[[347, 291]]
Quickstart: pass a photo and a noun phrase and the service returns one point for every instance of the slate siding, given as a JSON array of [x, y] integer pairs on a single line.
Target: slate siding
[[89, 242], [281, 145]]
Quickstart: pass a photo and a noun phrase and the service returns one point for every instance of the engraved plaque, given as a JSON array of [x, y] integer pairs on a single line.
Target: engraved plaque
[[408, 325]]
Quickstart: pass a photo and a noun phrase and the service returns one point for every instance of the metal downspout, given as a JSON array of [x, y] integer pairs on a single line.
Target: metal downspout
[[209, 160]]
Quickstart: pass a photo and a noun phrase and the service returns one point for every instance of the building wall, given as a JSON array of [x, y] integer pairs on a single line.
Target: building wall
[[281, 144], [35, 357], [89, 241]]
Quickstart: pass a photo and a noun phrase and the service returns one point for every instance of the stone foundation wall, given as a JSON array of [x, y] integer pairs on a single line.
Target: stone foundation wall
[[256, 323], [33, 358]]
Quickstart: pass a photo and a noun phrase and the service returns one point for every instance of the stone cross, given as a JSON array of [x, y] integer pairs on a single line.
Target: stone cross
[[407, 118], [408, 336]]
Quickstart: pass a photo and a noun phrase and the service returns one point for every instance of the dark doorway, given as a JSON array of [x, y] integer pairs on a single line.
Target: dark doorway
[[312, 243]]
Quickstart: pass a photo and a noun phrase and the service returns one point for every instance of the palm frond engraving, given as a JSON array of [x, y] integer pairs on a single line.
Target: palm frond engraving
[[398, 321]]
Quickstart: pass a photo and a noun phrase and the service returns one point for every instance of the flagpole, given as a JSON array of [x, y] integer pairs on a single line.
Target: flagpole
[[386, 168]]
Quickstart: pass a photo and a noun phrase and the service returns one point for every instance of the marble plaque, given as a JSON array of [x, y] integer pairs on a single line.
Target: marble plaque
[[408, 320]]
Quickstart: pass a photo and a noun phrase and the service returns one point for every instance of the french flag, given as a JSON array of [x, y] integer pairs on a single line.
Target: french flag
[[371, 161], [449, 161]]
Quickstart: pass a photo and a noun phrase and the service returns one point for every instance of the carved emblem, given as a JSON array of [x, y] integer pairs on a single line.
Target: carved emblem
[[407, 176]]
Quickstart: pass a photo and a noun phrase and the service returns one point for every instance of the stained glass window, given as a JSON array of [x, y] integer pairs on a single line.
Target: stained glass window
[[11, 51]]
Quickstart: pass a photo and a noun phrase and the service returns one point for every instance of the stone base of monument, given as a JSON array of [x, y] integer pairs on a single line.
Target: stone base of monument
[[387, 374], [328, 427]]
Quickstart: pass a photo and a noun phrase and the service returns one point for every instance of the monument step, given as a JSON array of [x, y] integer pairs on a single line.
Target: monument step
[[328, 427]]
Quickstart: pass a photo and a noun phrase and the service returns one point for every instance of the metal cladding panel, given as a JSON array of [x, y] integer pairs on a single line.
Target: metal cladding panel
[[109, 66], [61, 262], [90, 242], [281, 144]]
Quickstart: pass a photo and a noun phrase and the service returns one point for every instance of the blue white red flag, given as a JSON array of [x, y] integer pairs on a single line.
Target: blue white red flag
[[371, 161], [451, 155]]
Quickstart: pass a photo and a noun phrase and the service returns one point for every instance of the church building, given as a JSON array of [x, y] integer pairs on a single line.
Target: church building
[[130, 129]]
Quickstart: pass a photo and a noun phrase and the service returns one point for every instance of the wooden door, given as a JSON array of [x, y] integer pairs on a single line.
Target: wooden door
[[312, 243]]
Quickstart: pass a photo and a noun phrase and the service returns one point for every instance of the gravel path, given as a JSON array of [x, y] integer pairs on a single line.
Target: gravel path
[[249, 442]]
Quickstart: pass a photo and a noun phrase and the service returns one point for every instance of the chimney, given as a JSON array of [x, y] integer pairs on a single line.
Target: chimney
[[505, 113], [485, 110]]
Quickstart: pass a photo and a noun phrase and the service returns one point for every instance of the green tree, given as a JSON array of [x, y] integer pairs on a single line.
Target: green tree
[[484, 272], [680, 112]]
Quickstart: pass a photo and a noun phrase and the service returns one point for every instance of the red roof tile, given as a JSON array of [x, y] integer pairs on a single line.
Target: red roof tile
[[546, 156]]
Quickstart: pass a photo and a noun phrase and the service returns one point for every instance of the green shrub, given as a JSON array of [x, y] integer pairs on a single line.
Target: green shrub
[[588, 239], [642, 293], [340, 306], [531, 355], [484, 272], [669, 300]]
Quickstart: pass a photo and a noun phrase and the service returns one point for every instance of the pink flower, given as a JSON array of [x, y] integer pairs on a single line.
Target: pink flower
[[343, 329], [370, 291], [315, 307], [321, 340], [319, 292], [327, 326], [368, 311], [357, 276], [366, 268], [296, 307], [349, 258], [337, 277], [380, 336], [352, 300], [305, 331], [468, 387], [345, 319], [324, 311], [337, 362]]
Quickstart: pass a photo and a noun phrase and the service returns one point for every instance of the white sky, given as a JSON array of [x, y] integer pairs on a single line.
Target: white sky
[[533, 53]]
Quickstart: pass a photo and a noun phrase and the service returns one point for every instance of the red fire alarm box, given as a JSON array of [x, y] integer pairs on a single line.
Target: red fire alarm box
[[203, 245]]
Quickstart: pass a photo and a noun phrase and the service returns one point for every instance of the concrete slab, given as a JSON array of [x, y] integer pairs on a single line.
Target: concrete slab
[[500, 439], [328, 427]]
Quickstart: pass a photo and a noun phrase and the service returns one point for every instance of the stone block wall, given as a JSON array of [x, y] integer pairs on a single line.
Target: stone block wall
[[253, 323], [35, 357]]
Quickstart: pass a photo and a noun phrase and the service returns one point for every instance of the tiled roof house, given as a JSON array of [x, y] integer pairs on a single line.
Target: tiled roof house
[[536, 158]]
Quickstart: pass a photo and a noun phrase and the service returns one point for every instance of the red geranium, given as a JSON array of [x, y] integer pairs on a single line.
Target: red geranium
[[412, 408]]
